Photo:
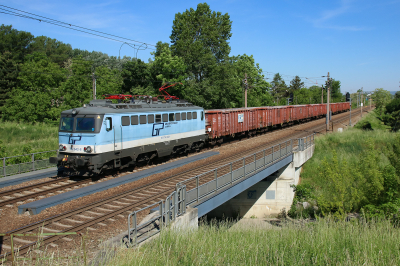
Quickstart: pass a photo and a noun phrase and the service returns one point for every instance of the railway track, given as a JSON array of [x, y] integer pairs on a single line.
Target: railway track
[[119, 206], [60, 185]]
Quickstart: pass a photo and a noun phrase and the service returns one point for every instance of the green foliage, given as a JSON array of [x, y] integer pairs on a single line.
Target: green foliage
[[200, 37], [381, 97], [335, 92], [57, 51], [303, 193], [391, 116], [296, 84], [340, 196], [16, 42], [108, 81], [355, 171], [371, 122], [37, 99], [168, 68], [77, 89], [137, 78], [8, 77]]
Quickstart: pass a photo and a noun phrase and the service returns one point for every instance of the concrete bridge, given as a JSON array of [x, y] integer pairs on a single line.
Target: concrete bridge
[[257, 185]]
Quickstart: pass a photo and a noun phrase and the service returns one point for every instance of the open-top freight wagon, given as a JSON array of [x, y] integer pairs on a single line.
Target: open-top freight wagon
[[231, 122]]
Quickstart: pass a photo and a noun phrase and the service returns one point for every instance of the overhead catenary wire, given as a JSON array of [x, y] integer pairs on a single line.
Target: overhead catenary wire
[[60, 24]]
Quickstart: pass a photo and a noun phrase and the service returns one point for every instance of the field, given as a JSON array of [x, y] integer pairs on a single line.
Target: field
[[22, 138]]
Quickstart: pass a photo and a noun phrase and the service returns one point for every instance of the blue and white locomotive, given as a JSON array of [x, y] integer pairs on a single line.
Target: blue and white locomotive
[[103, 135]]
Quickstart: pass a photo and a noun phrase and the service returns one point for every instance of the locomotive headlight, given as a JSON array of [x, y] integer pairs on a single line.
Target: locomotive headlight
[[88, 149], [74, 111], [62, 147]]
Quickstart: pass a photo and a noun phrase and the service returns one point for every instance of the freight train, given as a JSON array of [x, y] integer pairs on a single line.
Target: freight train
[[104, 135]]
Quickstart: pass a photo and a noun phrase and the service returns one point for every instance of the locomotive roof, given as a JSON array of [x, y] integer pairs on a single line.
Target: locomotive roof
[[98, 107]]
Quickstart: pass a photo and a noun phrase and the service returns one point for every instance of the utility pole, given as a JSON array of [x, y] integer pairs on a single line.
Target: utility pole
[[350, 111], [361, 100], [245, 90], [94, 86], [327, 104]]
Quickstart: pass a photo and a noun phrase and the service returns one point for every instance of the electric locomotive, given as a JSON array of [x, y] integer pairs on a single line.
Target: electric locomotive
[[102, 135]]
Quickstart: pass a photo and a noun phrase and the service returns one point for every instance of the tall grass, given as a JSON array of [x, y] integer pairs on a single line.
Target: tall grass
[[349, 146], [372, 122], [353, 171], [325, 242], [20, 138]]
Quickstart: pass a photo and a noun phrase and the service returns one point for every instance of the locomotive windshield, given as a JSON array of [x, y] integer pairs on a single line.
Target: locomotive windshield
[[67, 124], [81, 123], [84, 124]]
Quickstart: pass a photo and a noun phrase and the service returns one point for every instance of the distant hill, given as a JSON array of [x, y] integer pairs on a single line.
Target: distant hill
[[393, 92]]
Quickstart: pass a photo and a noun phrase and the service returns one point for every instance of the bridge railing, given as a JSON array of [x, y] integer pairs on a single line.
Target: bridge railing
[[204, 185], [208, 183], [305, 143], [165, 212]]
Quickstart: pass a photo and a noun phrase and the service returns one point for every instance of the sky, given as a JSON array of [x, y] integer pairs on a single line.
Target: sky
[[356, 41]]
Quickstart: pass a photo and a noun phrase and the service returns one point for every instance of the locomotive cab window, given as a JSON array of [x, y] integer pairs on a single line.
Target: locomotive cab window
[[189, 116], [134, 120], [194, 115], [108, 121], [150, 119], [125, 121], [171, 117], [178, 117], [67, 124], [85, 124], [143, 119], [165, 117]]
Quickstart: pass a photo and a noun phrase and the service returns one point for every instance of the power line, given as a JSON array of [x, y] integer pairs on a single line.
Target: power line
[[65, 25]]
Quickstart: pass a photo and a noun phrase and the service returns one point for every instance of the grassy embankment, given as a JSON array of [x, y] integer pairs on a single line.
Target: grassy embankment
[[354, 171], [320, 243], [22, 138]]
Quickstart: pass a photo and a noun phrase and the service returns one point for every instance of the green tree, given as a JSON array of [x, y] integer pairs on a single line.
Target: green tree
[[200, 37], [296, 84], [38, 98], [335, 92], [258, 94], [78, 88], [138, 78], [279, 89], [168, 67], [381, 97], [57, 51], [108, 81], [8, 77], [16, 42]]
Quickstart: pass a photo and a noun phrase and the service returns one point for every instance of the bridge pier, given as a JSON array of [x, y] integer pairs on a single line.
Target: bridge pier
[[269, 196]]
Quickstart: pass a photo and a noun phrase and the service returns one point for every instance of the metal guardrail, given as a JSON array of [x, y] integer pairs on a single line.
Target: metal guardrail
[[167, 210], [219, 178], [27, 163]]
